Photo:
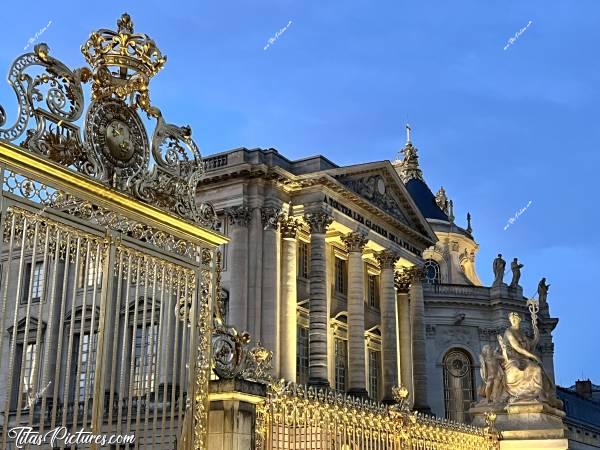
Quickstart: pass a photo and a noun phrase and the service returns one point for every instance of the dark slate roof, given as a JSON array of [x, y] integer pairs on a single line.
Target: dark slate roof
[[425, 199]]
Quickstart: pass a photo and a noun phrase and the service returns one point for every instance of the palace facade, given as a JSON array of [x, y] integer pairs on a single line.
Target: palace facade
[[358, 277]]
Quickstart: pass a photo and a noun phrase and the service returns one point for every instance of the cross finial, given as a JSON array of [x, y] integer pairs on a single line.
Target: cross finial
[[407, 133]]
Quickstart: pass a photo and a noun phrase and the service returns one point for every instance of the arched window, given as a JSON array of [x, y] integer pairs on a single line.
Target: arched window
[[431, 272], [458, 384]]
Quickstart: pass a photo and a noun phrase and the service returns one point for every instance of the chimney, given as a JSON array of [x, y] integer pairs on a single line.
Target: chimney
[[584, 388]]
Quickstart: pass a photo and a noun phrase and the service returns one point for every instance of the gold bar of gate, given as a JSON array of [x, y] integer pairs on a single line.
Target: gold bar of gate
[[115, 346], [133, 342], [70, 341], [175, 340], [159, 352], [140, 385], [124, 346], [27, 315], [61, 329], [92, 341], [45, 382], [3, 312], [154, 355], [82, 270], [38, 333]]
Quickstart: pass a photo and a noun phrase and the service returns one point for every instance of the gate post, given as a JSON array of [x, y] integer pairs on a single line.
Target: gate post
[[233, 413]]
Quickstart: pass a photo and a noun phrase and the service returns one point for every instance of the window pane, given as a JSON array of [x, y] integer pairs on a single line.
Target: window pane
[[458, 385], [340, 275], [341, 364], [37, 281], [374, 374], [28, 376], [145, 359], [302, 355]]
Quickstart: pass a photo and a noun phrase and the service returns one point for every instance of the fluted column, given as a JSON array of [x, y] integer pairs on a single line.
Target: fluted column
[[239, 218], [389, 324], [417, 307], [289, 299], [269, 312], [355, 243], [317, 365], [402, 280]]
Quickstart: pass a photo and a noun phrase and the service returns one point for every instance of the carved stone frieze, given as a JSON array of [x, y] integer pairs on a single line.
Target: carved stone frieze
[[374, 189]]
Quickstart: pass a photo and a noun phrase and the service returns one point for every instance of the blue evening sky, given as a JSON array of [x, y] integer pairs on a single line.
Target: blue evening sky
[[497, 128]]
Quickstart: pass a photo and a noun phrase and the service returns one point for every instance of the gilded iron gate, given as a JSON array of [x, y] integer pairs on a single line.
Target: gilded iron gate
[[107, 259], [295, 417]]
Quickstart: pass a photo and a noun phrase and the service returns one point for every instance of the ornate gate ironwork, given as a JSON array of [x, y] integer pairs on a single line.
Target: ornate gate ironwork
[[295, 417], [107, 258]]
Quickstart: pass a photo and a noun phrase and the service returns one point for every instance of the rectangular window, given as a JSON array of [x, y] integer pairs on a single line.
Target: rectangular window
[[374, 375], [88, 366], [86, 274], [341, 276], [146, 341], [341, 364], [36, 281], [373, 291], [302, 355], [28, 376], [303, 259]]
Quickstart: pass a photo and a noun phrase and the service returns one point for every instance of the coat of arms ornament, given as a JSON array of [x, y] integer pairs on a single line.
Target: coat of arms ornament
[[115, 148]]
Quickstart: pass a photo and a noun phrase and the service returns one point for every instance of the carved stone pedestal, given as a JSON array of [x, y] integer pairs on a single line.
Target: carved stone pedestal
[[232, 417], [531, 425], [499, 291]]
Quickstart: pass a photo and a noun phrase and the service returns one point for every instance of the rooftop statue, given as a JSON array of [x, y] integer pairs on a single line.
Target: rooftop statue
[[499, 265]]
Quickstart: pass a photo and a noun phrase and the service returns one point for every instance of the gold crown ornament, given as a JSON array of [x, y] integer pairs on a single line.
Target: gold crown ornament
[[123, 63]]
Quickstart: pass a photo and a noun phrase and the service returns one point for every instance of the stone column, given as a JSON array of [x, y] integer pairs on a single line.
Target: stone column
[[417, 309], [402, 281], [289, 299], [317, 365], [389, 324], [269, 312], [355, 243], [238, 266]]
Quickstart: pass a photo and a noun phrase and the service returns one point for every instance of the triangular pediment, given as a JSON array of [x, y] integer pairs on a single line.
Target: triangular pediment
[[379, 184]]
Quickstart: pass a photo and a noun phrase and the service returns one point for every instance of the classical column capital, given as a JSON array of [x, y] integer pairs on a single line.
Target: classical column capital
[[355, 242], [271, 217], [387, 259], [318, 221], [407, 276], [289, 227], [238, 215]]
